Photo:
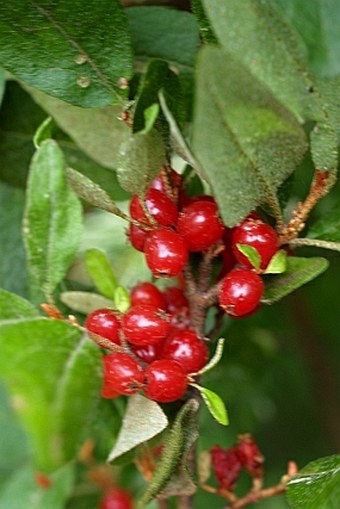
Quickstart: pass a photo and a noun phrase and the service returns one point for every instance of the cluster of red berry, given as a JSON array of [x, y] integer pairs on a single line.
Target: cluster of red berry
[[157, 348], [163, 350], [228, 463]]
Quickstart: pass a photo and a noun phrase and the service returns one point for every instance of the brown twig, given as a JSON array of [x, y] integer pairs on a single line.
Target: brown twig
[[318, 190]]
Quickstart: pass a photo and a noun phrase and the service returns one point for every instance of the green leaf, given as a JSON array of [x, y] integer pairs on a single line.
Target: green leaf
[[317, 485], [91, 192], [299, 271], [72, 51], [215, 359], [246, 142], [100, 270], [53, 218], [98, 132], [278, 263], [158, 76], [246, 30], [251, 253], [317, 23], [53, 376], [122, 299], [44, 132], [150, 116], [143, 420], [327, 227], [214, 404], [13, 269], [179, 439], [169, 34], [22, 490], [14, 308], [2, 84], [206, 31], [85, 302], [141, 158]]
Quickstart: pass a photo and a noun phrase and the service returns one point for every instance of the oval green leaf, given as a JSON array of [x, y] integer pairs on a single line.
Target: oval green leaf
[[100, 270], [214, 404]]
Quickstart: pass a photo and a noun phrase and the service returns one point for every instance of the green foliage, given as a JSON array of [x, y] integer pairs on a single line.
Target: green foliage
[[246, 142], [100, 270], [53, 219], [327, 228], [143, 420], [317, 485], [298, 272], [179, 440], [55, 386], [58, 57], [214, 403], [278, 263], [14, 308], [85, 302]]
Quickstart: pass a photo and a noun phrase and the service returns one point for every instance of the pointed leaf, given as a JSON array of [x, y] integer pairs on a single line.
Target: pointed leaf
[[91, 192], [98, 132], [215, 359], [299, 271], [150, 116], [53, 375], [278, 263], [317, 485], [178, 441], [85, 302], [143, 420], [52, 220], [44, 132], [246, 142], [15, 309], [141, 159], [100, 270], [122, 299], [64, 61], [214, 403], [251, 253]]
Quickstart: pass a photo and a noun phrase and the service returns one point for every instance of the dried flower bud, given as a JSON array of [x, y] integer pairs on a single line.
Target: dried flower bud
[[250, 455], [226, 466]]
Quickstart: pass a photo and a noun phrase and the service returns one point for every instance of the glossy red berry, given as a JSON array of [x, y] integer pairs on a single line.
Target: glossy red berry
[[185, 347], [148, 353], [137, 237], [145, 325], [147, 293], [122, 373], [165, 381], [240, 292], [116, 498], [200, 225], [105, 323], [160, 206], [166, 252], [226, 466], [259, 235]]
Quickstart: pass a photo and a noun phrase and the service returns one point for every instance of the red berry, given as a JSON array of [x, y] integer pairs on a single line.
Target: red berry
[[240, 292], [137, 237], [166, 252], [104, 323], [175, 299], [259, 235], [149, 353], [116, 498], [200, 197], [226, 466], [145, 325], [108, 392], [160, 206], [122, 373], [250, 455], [176, 181], [165, 381], [185, 347], [147, 293], [200, 225]]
